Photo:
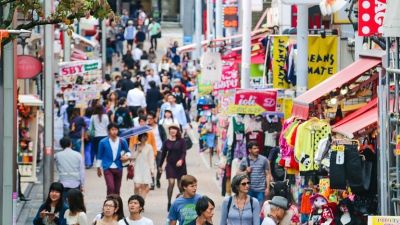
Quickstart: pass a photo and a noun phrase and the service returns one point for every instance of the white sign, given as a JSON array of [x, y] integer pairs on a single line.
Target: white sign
[[79, 67], [256, 5], [211, 67]]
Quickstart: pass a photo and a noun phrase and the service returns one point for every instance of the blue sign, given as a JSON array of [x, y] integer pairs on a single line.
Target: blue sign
[[187, 40]]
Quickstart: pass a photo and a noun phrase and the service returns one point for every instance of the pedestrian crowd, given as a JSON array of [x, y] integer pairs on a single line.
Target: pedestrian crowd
[[158, 98]]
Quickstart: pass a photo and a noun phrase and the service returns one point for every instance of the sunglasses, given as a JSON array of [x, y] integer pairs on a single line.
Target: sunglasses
[[245, 183]]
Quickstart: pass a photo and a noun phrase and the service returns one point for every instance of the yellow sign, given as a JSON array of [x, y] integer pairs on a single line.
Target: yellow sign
[[383, 220], [205, 88], [245, 109], [322, 58], [279, 61], [287, 107]]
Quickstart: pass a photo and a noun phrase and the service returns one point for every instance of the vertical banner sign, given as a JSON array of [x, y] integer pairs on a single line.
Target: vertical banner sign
[[279, 61], [211, 67], [322, 59], [370, 17], [230, 77], [256, 76], [231, 16]]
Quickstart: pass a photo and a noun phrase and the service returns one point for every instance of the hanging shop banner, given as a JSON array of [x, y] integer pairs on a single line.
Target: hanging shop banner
[[322, 58], [211, 67], [226, 99], [204, 87], [279, 69], [230, 77], [231, 17], [370, 17], [254, 102], [79, 72], [383, 220], [82, 94], [256, 76], [28, 67]]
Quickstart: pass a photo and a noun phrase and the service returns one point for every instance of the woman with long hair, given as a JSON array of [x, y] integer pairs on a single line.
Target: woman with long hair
[[143, 160], [98, 123], [174, 150], [120, 211], [112, 101], [76, 214], [240, 208], [109, 214], [51, 212]]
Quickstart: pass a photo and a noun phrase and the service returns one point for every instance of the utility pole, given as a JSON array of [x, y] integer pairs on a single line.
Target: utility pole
[[246, 44], [48, 156], [198, 19], [104, 45], [302, 49], [67, 45], [218, 19]]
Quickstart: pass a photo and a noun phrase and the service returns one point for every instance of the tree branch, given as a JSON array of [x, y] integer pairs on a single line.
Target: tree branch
[[8, 21], [5, 2], [34, 23]]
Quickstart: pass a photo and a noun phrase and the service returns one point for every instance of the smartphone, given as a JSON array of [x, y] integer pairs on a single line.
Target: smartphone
[[49, 213]]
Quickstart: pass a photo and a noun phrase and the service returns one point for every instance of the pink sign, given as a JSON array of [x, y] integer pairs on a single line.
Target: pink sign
[[370, 17], [263, 98], [230, 76]]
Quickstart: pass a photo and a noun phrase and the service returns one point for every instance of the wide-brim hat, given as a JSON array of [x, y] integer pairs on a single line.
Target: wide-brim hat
[[280, 202]]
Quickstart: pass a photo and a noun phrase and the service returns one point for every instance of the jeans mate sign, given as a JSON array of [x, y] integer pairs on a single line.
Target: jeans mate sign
[[230, 76], [370, 17], [264, 99]]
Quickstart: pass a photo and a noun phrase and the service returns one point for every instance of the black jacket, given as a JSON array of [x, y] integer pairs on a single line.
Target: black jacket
[[153, 95]]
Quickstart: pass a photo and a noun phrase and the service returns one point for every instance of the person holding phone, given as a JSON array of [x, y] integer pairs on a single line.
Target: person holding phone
[[51, 212]]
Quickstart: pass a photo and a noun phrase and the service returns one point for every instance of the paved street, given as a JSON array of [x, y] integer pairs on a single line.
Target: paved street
[[156, 202]]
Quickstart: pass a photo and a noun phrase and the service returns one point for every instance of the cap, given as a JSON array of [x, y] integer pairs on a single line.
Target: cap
[[280, 202]]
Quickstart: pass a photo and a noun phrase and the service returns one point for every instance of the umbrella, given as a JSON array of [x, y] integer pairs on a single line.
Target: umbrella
[[135, 131]]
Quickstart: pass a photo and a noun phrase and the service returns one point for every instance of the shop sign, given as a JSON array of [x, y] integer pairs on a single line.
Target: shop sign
[[205, 88], [28, 67], [322, 59], [256, 76], [211, 67], [370, 17], [230, 76], [245, 109], [249, 98], [383, 220], [231, 17], [279, 61], [79, 67]]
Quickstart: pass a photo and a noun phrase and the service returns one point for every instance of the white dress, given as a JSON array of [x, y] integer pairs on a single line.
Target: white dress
[[144, 164]]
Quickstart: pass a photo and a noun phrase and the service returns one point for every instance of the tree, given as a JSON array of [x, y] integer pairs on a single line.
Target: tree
[[66, 11]]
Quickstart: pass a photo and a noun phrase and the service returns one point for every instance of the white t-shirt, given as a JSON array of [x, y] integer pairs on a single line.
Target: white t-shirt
[[268, 221], [79, 218], [142, 221]]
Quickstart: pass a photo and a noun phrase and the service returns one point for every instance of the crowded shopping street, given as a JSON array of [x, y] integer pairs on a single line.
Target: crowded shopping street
[[200, 112]]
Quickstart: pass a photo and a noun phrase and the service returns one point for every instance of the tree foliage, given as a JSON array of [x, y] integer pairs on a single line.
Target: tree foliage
[[65, 11]]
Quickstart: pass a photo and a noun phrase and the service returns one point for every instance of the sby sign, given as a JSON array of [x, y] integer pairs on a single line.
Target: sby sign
[[79, 67]]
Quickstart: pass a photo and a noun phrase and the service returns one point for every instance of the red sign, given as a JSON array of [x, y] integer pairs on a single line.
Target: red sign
[[263, 98], [370, 17], [231, 17], [230, 76], [28, 67]]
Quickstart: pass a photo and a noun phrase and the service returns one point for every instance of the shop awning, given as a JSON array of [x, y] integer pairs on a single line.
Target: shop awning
[[29, 100], [358, 123], [302, 103], [371, 104]]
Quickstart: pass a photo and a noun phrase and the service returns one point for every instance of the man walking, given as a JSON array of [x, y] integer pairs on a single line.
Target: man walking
[[278, 206], [110, 157], [155, 32], [136, 99], [177, 111], [183, 209], [258, 169], [160, 136], [70, 168]]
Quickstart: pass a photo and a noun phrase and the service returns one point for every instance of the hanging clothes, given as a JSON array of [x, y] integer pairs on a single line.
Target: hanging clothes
[[309, 134]]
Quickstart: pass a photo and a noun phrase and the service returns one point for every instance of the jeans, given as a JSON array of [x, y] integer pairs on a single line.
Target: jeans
[[113, 179], [76, 144], [259, 195], [153, 41]]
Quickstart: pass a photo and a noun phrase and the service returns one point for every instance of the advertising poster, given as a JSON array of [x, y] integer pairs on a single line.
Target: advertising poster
[[254, 102], [322, 58], [230, 77]]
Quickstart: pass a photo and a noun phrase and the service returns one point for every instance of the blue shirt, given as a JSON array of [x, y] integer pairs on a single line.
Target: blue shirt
[[184, 210]]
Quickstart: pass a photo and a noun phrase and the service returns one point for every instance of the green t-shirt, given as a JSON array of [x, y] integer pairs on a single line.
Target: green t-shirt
[[154, 27]]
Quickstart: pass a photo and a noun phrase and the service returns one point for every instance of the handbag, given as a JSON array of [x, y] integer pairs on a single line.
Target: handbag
[[158, 35], [131, 169], [188, 141]]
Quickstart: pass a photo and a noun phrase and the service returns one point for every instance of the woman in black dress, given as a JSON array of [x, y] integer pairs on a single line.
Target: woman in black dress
[[174, 149]]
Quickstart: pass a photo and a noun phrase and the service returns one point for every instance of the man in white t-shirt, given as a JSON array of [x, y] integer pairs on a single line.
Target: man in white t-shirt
[[136, 207]]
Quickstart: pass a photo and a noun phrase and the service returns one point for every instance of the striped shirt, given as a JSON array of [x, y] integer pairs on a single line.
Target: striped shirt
[[259, 166]]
